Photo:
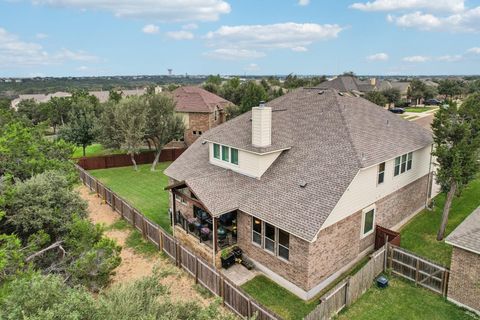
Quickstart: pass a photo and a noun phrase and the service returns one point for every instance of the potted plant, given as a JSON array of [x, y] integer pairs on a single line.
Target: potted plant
[[228, 258]]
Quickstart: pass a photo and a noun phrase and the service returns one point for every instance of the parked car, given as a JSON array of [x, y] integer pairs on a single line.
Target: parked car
[[397, 110], [432, 102]]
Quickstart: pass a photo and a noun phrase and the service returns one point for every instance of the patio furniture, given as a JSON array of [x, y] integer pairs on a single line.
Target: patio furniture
[[204, 234]]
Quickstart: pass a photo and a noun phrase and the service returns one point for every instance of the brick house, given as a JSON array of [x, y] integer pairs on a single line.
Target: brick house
[[299, 185], [200, 109], [464, 283]]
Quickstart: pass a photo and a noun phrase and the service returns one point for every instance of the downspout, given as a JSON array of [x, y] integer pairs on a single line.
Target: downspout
[[430, 178]]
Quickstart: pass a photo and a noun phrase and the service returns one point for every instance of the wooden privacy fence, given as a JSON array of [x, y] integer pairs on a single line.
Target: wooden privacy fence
[[350, 289], [205, 274], [123, 160], [419, 270]]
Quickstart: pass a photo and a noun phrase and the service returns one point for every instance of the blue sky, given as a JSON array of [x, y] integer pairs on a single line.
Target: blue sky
[[130, 37]]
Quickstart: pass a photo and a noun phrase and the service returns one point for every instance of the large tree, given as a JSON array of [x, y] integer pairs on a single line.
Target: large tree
[[416, 90], [451, 88], [376, 97], [392, 95], [163, 125], [80, 130], [457, 143]]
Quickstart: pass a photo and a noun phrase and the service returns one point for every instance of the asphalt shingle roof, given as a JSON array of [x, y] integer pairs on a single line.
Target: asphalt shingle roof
[[196, 99], [467, 234], [330, 138]]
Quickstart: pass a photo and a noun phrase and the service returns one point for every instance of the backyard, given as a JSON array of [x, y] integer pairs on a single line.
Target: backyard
[[420, 234], [403, 300], [93, 150], [420, 109], [143, 189]]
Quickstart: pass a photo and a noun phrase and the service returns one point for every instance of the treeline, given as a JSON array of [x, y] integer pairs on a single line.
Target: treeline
[[52, 258]]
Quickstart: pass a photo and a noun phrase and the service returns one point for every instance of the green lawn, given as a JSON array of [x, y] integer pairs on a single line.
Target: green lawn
[[402, 300], [420, 234], [419, 109], [93, 150], [142, 188], [279, 300]]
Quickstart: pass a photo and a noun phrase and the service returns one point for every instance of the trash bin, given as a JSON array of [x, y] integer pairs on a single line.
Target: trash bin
[[382, 282]]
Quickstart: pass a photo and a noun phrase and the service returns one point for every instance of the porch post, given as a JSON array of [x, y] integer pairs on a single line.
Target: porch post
[[174, 210], [215, 237]]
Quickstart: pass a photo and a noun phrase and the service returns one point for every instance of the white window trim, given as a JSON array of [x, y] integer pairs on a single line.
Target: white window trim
[[400, 164], [235, 164], [364, 211], [276, 242], [378, 172], [261, 233]]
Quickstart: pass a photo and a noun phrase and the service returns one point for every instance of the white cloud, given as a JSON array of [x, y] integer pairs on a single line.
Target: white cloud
[[378, 57], [392, 5], [258, 38], [158, 10], [416, 59], [466, 21], [234, 54], [41, 35], [82, 68], [16, 52], [303, 2], [475, 50], [252, 67], [180, 35], [450, 58], [150, 29], [299, 49], [190, 26]]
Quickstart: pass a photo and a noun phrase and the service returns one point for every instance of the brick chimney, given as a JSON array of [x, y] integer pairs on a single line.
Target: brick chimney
[[261, 126]]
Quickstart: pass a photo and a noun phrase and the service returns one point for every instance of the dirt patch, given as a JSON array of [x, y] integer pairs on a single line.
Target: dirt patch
[[135, 266]]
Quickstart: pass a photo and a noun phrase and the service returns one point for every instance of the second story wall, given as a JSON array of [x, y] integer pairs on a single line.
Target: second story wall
[[365, 190]]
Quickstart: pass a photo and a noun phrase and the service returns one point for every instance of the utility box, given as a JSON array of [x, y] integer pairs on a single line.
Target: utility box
[[382, 282]]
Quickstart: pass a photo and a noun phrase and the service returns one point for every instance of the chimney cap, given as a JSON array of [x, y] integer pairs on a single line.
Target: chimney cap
[[262, 104]]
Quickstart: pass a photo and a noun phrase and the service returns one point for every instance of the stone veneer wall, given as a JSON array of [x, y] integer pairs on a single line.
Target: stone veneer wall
[[399, 205], [464, 283], [295, 270], [194, 244]]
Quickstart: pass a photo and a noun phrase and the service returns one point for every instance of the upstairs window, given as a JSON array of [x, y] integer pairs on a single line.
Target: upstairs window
[[216, 151], [381, 173], [225, 153], [403, 163], [234, 156]]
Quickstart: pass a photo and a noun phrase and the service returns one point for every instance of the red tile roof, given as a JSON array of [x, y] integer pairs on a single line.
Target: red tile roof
[[196, 99]]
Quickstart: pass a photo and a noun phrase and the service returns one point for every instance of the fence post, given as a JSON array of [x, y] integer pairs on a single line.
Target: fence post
[[347, 288], [417, 268], [113, 201], [385, 257], [196, 270], [144, 228], [391, 255]]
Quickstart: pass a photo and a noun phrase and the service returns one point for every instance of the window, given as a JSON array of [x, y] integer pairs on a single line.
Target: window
[[269, 238], [257, 231], [194, 132], [178, 198], [381, 173], [403, 163], [199, 133], [283, 244], [216, 151], [225, 153], [234, 156], [368, 222]]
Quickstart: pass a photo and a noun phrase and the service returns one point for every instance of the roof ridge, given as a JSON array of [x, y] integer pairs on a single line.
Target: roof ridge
[[350, 140]]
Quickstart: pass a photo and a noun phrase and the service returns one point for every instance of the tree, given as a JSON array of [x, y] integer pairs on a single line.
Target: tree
[[416, 90], [163, 125], [115, 95], [252, 94], [451, 88], [58, 109], [376, 97], [457, 144], [81, 128], [392, 95], [30, 110]]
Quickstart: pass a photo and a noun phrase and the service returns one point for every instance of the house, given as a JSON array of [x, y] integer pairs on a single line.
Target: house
[[200, 109], [348, 83], [299, 185], [464, 282]]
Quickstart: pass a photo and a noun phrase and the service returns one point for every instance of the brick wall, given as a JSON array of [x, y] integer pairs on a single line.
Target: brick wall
[[464, 284], [294, 270], [399, 205], [197, 122]]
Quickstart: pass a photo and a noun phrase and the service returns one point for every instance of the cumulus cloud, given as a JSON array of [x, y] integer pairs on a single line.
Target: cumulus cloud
[[450, 58], [417, 59], [14, 51], [190, 26], [378, 57], [392, 5], [180, 35], [299, 49], [252, 67], [158, 10], [475, 50], [150, 29], [303, 2], [234, 54]]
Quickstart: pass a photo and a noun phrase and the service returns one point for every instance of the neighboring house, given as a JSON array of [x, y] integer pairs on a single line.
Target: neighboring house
[[349, 83], [300, 184], [401, 86], [200, 109], [464, 282]]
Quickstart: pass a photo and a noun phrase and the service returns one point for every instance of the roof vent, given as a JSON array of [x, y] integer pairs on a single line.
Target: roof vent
[[340, 94], [321, 92], [388, 123], [363, 156], [204, 141], [303, 184]]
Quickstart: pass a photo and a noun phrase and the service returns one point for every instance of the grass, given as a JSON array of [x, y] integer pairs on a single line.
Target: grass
[[419, 235], [419, 109], [119, 225], [142, 188], [140, 245], [93, 150], [402, 300]]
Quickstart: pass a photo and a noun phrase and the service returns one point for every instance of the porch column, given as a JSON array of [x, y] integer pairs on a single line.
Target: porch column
[[214, 237], [174, 209]]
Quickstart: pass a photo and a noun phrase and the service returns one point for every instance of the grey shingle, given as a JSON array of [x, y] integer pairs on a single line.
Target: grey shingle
[[467, 234], [331, 137]]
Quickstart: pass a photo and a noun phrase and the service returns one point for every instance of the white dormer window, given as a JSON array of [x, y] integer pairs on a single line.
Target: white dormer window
[[216, 151], [225, 153]]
